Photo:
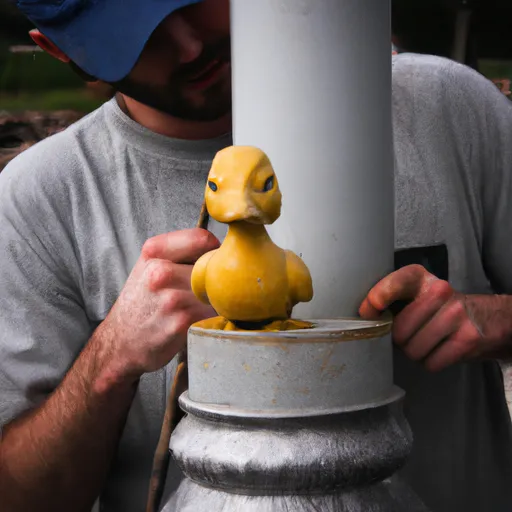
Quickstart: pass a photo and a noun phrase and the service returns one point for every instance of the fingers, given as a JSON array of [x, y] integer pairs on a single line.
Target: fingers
[[184, 246], [180, 320], [443, 339], [182, 309], [420, 312], [435, 327], [174, 301], [405, 284], [443, 324], [462, 345], [165, 274]]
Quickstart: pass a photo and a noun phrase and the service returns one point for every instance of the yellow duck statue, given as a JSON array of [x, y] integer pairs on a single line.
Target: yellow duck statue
[[250, 282]]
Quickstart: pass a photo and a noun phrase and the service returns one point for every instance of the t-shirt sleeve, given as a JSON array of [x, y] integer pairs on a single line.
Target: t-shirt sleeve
[[43, 324], [477, 120], [496, 186], [481, 117]]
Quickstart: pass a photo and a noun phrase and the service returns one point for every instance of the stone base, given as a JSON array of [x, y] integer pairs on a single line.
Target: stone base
[[342, 462], [305, 420], [388, 496]]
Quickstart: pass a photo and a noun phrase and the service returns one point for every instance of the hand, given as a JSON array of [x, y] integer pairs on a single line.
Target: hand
[[148, 324], [438, 327]]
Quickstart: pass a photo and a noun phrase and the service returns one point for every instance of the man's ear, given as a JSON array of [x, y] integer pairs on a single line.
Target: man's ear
[[44, 43]]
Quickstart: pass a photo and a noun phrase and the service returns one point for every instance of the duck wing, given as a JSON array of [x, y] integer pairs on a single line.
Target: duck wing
[[299, 279], [198, 277]]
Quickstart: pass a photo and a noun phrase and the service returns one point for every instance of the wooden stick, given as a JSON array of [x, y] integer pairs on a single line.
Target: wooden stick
[[179, 385]]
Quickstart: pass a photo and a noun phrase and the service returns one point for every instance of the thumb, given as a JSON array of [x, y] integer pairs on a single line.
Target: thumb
[[407, 283]]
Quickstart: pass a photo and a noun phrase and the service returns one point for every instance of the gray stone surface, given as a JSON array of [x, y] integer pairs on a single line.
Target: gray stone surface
[[337, 366], [330, 463], [388, 496], [245, 446]]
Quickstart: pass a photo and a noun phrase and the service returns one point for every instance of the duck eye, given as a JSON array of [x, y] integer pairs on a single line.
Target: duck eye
[[212, 185], [269, 184]]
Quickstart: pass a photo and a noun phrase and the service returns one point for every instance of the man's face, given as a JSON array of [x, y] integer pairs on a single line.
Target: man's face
[[185, 69]]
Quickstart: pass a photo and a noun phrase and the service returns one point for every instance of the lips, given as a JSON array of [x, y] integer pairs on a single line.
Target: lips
[[207, 76]]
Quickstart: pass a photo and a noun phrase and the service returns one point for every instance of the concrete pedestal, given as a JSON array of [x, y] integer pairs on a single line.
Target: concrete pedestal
[[305, 420]]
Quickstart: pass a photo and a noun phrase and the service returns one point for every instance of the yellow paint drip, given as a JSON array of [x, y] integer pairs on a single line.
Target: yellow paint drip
[[219, 323]]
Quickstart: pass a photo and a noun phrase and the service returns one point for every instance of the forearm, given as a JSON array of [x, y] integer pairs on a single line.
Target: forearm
[[57, 456], [492, 315]]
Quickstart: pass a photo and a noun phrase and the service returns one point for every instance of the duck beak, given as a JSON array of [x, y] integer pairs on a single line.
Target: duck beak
[[240, 209]]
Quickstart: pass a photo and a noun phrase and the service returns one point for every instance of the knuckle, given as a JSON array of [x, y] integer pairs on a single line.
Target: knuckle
[[455, 310], [379, 296], [178, 325], [149, 248], [171, 302], [441, 289], [182, 322], [158, 276], [203, 238], [416, 272], [416, 268]]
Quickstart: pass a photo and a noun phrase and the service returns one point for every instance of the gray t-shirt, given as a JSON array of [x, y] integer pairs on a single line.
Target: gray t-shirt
[[453, 180], [76, 209]]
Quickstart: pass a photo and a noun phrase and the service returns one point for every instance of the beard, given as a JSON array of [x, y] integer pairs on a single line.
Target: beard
[[175, 99]]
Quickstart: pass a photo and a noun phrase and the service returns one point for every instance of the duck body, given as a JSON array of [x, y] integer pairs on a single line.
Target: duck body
[[249, 279]]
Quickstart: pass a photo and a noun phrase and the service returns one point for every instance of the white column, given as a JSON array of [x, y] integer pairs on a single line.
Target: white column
[[312, 88]]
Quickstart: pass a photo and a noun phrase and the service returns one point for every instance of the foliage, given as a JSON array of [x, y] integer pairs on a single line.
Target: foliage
[[36, 71], [80, 100]]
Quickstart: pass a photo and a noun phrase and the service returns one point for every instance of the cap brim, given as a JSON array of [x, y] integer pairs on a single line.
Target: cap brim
[[106, 39]]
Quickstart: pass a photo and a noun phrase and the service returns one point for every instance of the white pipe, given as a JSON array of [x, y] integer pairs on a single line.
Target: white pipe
[[312, 88]]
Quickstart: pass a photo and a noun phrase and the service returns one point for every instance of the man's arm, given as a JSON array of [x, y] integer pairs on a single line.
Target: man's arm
[[55, 457]]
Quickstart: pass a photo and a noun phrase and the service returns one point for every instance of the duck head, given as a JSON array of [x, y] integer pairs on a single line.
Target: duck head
[[242, 186]]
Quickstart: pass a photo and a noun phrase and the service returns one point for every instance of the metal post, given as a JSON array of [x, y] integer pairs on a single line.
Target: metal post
[[310, 419], [312, 88]]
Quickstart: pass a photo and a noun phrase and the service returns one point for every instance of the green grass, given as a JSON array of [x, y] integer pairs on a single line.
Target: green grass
[[40, 82], [73, 99], [496, 68], [35, 72]]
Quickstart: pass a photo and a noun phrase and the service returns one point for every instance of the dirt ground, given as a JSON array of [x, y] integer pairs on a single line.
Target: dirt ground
[[20, 131]]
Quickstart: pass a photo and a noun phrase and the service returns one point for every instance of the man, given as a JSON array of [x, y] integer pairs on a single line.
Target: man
[[96, 248]]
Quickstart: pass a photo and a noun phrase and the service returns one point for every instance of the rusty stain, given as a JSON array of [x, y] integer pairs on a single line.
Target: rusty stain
[[330, 370], [206, 366], [334, 371], [274, 401], [326, 359], [304, 391], [247, 368]]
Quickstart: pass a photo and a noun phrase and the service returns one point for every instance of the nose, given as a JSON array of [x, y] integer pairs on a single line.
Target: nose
[[188, 44]]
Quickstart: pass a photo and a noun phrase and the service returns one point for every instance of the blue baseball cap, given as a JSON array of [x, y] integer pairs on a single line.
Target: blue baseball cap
[[103, 37]]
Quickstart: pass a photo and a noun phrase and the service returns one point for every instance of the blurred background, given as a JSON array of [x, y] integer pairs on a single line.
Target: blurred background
[[31, 79], [40, 95]]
